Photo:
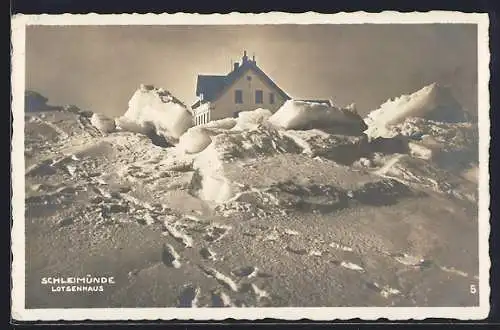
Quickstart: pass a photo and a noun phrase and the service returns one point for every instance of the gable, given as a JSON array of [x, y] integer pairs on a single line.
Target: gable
[[213, 87]]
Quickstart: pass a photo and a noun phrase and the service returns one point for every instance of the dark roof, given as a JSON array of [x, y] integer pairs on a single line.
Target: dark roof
[[213, 86], [210, 86]]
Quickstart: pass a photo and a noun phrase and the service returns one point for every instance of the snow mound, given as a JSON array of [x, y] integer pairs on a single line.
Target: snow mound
[[433, 102], [421, 174], [103, 123], [195, 140], [419, 150], [340, 148], [249, 120], [308, 114], [232, 145], [226, 123], [156, 107], [453, 146], [210, 183]]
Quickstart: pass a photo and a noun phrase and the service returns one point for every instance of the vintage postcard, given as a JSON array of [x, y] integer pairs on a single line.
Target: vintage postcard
[[250, 166]]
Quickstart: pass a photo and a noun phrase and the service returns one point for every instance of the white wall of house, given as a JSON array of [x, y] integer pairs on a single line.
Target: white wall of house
[[226, 106], [202, 114]]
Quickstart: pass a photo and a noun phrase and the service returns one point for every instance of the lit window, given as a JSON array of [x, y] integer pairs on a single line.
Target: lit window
[[238, 96], [258, 97]]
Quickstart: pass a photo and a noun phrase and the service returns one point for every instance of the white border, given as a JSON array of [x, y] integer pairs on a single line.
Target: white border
[[19, 23]]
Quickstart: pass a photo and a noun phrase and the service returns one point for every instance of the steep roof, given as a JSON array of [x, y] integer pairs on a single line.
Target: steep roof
[[210, 86], [213, 86]]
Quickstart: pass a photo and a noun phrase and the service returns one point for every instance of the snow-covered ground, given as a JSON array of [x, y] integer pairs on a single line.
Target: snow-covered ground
[[246, 212]]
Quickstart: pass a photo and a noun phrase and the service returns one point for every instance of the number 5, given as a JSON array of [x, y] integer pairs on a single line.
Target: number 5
[[473, 289]]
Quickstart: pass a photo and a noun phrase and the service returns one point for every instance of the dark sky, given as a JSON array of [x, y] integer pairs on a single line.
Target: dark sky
[[99, 67]]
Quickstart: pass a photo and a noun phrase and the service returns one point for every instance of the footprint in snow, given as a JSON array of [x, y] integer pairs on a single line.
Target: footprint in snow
[[216, 232], [206, 253], [299, 251], [385, 291], [170, 257], [224, 280], [247, 271], [189, 296], [221, 299], [408, 260], [177, 234], [261, 296], [352, 266], [65, 222]]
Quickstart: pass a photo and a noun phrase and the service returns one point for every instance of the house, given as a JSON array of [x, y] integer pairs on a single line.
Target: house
[[245, 88]]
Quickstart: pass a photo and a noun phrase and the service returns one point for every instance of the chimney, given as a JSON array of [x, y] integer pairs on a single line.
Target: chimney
[[235, 66], [253, 58], [245, 57]]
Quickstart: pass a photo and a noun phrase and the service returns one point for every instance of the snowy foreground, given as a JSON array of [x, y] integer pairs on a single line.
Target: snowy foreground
[[262, 210]]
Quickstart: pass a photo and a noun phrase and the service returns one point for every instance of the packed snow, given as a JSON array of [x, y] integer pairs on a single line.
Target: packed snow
[[194, 140], [156, 107], [306, 115], [240, 211], [226, 123], [248, 120], [433, 102], [103, 123]]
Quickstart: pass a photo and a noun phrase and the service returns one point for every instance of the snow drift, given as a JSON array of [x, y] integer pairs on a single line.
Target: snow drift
[[433, 102], [195, 140], [309, 114], [103, 123], [210, 182], [156, 107], [226, 123], [453, 146], [343, 149], [249, 120], [243, 136]]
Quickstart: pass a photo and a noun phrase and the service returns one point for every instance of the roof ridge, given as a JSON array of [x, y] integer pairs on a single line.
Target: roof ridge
[[213, 86]]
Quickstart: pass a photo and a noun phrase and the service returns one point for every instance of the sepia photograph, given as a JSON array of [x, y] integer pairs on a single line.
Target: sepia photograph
[[214, 166]]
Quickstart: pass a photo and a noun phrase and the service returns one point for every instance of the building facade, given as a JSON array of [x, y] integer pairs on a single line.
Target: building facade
[[245, 88]]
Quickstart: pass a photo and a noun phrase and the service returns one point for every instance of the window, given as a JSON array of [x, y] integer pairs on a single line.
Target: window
[[258, 97], [271, 98], [238, 96]]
